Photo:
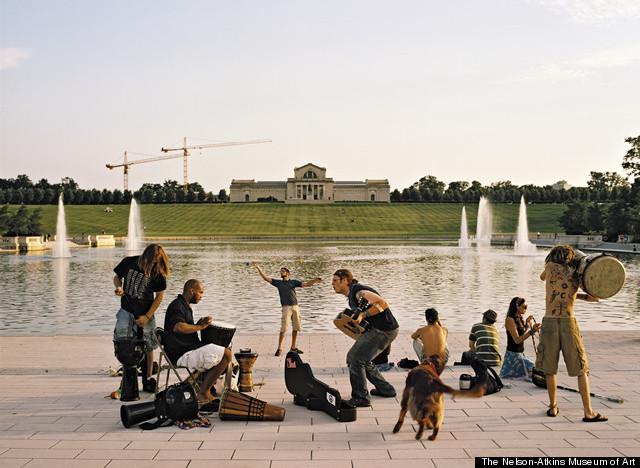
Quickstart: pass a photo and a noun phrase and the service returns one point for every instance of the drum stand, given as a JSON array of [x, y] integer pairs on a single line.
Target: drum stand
[[245, 379]]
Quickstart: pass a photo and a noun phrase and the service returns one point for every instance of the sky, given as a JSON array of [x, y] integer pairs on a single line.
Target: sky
[[530, 91]]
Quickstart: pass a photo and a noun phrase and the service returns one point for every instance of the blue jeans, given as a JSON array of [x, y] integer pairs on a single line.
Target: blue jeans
[[121, 329], [361, 369]]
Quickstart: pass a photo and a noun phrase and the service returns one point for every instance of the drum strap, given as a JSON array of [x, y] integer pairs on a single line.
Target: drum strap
[[160, 422]]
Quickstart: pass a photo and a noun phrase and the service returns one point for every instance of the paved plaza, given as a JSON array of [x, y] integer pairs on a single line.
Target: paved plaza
[[53, 412]]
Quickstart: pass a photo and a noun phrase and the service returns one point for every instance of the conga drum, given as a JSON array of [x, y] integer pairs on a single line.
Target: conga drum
[[240, 407], [219, 333], [601, 275], [245, 378]]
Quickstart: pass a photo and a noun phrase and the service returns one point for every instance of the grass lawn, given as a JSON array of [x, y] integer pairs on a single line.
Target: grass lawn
[[278, 219]]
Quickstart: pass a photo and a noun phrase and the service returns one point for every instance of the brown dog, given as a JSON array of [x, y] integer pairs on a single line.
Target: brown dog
[[424, 396]]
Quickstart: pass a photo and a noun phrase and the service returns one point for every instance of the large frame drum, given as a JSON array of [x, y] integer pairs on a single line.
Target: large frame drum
[[601, 275]]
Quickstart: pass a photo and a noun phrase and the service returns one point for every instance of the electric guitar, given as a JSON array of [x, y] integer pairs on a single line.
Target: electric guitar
[[344, 321]]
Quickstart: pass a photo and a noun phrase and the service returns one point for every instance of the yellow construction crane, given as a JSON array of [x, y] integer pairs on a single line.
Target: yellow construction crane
[[185, 154]]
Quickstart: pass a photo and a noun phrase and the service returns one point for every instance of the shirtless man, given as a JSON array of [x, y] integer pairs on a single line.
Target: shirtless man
[[560, 330], [431, 339]]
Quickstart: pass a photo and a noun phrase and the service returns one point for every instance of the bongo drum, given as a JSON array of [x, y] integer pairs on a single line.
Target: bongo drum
[[240, 407], [219, 333], [245, 378], [601, 275]]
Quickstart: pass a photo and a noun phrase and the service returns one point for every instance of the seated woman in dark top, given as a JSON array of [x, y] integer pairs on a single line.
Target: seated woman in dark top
[[516, 365]]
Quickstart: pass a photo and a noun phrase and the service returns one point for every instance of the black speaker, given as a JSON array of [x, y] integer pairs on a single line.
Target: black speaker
[[135, 414]]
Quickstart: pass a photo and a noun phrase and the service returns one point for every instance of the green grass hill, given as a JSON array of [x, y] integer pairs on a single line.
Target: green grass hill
[[277, 219]]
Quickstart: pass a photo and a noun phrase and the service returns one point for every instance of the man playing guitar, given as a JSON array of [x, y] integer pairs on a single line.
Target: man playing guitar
[[383, 329]]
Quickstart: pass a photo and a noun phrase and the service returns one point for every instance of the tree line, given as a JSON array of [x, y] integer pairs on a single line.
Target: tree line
[[608, 205], [602, 187], [22, 191], [620, 216]]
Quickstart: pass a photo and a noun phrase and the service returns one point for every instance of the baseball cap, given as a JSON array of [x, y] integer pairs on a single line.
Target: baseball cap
[[491, 315]]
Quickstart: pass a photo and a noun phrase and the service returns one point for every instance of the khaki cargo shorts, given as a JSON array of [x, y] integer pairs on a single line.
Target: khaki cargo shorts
[[561, 334], [290, 314]]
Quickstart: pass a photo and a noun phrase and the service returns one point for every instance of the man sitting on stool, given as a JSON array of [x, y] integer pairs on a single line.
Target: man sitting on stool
[[183, 346]]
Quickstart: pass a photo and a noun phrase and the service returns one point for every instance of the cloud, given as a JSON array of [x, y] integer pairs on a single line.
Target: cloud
[[593, 12], [12, 57], [581, 68]]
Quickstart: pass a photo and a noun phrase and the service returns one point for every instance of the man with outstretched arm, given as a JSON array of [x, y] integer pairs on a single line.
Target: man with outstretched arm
[[289, 302]]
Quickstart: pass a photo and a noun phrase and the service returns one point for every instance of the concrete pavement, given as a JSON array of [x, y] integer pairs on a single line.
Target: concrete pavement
[[53, 412]]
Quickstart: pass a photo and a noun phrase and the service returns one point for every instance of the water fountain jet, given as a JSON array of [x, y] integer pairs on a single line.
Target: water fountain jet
[[463, 242], [523, 246], [61, 245], [134, 230], [485, 223]]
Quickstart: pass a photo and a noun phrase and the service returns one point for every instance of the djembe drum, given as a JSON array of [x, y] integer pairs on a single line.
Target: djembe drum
[[219, 333], [601, 275], [129, 351], [245, 378], [240, 407]]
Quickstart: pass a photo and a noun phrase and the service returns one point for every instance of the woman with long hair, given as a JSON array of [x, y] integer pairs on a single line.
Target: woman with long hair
[[140, 282], [516, 364]]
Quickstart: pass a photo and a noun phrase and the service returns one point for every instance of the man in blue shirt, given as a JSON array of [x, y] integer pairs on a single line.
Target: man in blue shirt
[[289, 302]]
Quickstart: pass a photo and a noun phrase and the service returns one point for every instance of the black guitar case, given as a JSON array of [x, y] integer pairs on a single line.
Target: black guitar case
[[310, 392]]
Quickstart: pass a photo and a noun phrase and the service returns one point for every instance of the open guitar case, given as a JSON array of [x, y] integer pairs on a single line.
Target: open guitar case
[[312, 393]]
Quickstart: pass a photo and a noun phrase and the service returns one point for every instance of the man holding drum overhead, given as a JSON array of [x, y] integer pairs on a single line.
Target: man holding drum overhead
[[182, 344], [560, 330], [289, 302]]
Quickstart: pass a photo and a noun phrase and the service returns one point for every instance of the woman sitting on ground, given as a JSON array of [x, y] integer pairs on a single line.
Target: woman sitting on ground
[[516, 365]]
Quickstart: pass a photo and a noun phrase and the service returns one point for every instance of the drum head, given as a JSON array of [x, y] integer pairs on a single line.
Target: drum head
[[222, 325], [604, 276]]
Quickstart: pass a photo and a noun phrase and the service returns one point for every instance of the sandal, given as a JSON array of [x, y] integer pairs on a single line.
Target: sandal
[[597, 418], [553, 411]]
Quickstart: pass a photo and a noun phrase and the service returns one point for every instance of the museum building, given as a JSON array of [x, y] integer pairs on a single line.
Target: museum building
[[310, 184]]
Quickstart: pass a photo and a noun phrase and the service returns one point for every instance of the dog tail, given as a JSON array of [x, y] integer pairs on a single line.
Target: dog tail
[[476, 392]]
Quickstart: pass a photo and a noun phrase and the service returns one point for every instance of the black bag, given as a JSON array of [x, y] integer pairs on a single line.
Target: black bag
[[407, 363], [485, 375], [179, 402], [539, 378]]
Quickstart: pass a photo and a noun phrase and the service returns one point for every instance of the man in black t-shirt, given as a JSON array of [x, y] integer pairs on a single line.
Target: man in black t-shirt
[[289, 302], [182, 344]]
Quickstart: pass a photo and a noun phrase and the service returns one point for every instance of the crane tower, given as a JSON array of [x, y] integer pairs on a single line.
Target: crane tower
[[184, 154]]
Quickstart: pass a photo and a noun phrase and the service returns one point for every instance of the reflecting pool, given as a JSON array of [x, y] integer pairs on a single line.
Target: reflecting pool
[[64, 296]]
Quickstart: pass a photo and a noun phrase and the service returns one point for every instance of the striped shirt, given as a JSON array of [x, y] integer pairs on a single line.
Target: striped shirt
[[485, 337]]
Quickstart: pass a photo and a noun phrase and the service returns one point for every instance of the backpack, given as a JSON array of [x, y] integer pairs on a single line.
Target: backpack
[[485, 375], [177, 403]]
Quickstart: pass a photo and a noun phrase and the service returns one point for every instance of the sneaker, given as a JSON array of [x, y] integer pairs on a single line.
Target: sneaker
[[296, 350], [358, 402], [149, 385], [277, 352], [376, 392]]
